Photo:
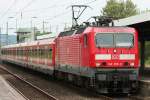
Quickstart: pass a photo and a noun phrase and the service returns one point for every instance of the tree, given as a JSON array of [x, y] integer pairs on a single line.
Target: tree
[[119, 9]]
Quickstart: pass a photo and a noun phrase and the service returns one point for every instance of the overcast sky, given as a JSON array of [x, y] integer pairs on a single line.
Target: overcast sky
[[56, 13]]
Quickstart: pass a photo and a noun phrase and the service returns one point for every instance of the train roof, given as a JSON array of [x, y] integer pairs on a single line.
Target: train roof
[[117, 28], [96, 29], [32, 43]]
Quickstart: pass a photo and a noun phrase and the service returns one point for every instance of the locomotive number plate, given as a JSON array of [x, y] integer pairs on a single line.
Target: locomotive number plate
[[115, 56]]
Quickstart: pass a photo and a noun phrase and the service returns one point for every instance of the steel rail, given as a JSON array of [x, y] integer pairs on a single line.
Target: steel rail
[[137, 98], [106, 98], [35, 87]]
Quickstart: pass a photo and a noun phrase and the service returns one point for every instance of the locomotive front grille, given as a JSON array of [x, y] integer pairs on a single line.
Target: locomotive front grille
[[116, 80]]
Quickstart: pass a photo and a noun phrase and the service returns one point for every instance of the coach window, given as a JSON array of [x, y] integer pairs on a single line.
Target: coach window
[[36, 52], [21, 52], [85, 40], [32, 52], [46, 52], [50, 53], [29, 53], [39, 53], [18, 52], [3, 52], [42, 53]]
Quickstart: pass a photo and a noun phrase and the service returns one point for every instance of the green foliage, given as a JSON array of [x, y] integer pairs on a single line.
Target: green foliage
[[147, 53], [119, 9]]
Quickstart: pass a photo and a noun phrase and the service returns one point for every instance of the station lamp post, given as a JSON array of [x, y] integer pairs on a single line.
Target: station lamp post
[[7, 28], [32, 21], [33, 26]]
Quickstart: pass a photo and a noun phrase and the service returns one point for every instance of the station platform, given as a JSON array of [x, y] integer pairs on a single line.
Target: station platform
[[7, 92], [145, 86]]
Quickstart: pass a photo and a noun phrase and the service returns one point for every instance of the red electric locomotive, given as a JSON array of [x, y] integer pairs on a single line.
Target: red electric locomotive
[[95, 55], [103, 57]]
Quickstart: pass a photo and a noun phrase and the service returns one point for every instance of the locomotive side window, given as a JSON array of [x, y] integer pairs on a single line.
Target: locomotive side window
[[50, 53], [85, 40]]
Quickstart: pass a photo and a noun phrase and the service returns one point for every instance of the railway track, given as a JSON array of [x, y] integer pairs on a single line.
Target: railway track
[[73, 92], [39, 92], [139, 98], [86, 95]]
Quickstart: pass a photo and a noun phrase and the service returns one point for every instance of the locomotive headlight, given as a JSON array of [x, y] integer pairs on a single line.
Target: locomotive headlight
[[131, 64], [127, 56], [98, 64], [101, 77]]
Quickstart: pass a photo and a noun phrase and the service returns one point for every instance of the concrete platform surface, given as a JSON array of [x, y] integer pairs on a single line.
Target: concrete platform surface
[[145, 86], [7, 92], [145, 79]]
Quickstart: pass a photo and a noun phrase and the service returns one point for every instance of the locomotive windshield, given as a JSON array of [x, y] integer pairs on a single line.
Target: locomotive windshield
[[114, 40]]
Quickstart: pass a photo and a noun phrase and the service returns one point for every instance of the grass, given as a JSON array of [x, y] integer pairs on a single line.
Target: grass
[[147, 53]]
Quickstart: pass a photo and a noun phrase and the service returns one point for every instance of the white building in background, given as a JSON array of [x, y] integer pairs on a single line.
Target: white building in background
[[46, 36], [28, 34]]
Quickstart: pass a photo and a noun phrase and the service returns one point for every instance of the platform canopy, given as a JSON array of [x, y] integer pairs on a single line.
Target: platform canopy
[[141, 22]]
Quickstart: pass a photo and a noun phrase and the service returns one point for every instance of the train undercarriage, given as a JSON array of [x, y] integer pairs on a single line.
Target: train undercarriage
[[105, 80], [112, 81], [117, 81]]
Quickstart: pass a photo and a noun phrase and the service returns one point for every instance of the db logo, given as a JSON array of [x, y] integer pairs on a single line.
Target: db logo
[[114, 56]]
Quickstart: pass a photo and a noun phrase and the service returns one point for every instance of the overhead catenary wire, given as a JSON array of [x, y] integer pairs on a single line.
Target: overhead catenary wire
[[61, 14], [26, 6], [24, 9], [8, 9]]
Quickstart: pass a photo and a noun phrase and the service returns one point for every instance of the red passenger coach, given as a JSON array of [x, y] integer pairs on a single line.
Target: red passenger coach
[[38, 55]]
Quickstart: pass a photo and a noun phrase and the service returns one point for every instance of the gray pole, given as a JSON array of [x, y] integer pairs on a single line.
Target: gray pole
[[0, 45], [50, 28], [57, 27], [31, 23], [43, 27], [0, 36], [34, 34], [7, 33], [16, 25]]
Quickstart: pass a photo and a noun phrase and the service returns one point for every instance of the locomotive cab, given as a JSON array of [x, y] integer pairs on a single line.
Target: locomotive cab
[[115, 58]]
